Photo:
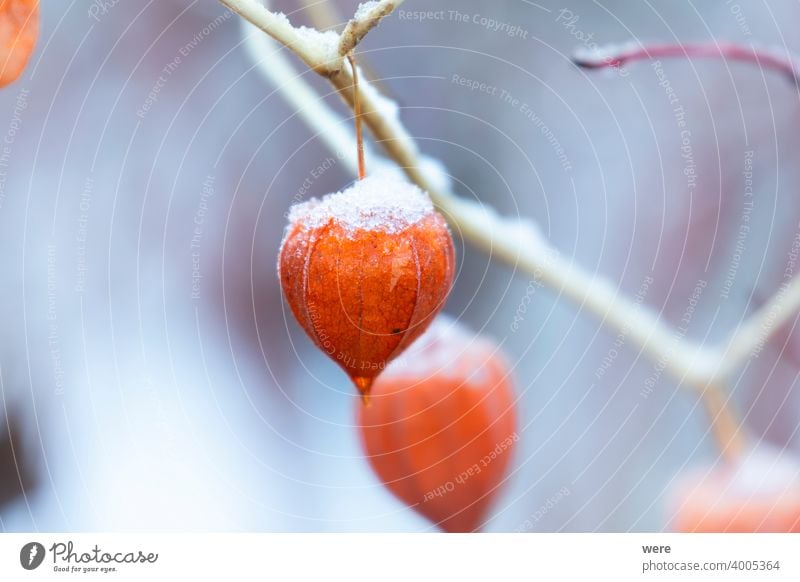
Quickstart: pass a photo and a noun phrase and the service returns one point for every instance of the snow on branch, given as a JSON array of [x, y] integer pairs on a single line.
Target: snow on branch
[[367, 16], [321, 51]]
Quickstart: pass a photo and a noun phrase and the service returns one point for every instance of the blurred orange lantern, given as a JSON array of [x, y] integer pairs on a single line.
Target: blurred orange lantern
[[442, 425], [19, 29], [760, 493]]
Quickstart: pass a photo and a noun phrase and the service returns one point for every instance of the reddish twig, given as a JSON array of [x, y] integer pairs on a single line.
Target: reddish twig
[[615, 56]]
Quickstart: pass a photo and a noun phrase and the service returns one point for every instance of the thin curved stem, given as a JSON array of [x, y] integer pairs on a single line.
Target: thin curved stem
[[362, 170], [614, 56], [726, 427]]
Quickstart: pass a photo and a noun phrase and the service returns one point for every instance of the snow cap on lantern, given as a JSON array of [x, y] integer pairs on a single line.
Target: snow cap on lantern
[[366, 270]]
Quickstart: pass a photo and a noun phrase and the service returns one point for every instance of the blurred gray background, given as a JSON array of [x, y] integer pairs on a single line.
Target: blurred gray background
[[152, 377]]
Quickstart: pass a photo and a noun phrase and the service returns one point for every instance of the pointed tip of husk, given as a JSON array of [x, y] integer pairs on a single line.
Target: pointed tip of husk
[[364, 386]]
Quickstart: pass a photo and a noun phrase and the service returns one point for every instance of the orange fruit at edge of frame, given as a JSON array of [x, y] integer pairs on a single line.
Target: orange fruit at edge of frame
[[19, 30]]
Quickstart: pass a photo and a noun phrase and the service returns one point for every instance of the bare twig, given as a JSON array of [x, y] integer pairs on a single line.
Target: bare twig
[[619, 55], [749, 339], [726, 428]]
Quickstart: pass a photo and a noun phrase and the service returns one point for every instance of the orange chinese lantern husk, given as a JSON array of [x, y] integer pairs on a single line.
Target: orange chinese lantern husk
[[365, 273], [760, 494], [441, 428], [19, 30]]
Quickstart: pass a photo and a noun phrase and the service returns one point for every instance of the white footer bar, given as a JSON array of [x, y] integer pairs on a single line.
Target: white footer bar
[[406, 557]]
